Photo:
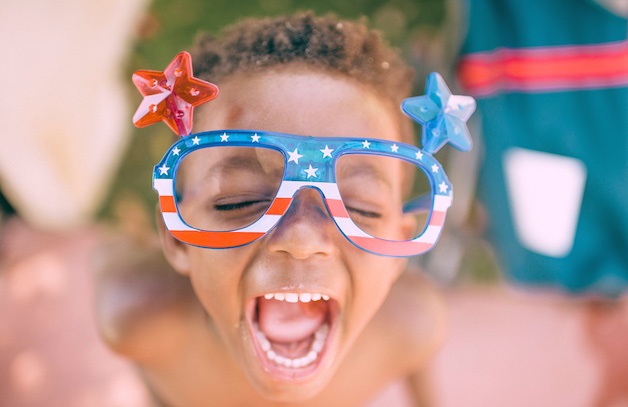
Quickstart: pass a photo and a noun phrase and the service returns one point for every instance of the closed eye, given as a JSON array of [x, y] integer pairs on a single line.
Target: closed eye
[[366, 214], [240, 205]]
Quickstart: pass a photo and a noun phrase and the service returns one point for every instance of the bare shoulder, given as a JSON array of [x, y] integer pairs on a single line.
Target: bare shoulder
[[141, 304], [413, 318]]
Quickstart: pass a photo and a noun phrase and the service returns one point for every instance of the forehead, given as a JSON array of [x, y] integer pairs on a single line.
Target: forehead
[[303, 102]]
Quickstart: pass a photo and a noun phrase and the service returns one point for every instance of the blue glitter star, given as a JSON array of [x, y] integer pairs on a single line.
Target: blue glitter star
[[443, 116]]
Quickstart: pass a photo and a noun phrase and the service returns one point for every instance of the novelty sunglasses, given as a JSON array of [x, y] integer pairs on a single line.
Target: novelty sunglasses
[[223, 189]]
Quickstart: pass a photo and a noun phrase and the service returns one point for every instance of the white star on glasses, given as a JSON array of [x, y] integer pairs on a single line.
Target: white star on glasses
[[163, 170], [394, 148], [255, 138], [434, 168], [326, 151], [311, 172], [443, 187], [196, 141], [294, 156], [176, 151], [224, 137], [419, 155], [366, 144]]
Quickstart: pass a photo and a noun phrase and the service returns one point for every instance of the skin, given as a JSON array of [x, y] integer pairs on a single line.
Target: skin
[[197, 350]]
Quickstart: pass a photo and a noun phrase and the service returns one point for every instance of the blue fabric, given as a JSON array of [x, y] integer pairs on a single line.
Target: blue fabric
[[588, 124]]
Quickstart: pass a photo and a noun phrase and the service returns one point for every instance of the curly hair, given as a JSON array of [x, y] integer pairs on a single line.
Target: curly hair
[[339, 46]]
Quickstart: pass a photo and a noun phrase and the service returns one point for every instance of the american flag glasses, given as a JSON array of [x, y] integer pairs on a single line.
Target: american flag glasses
[[224, 189]]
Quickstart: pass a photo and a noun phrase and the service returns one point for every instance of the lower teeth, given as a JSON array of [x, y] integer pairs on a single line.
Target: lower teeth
[[317, 345]]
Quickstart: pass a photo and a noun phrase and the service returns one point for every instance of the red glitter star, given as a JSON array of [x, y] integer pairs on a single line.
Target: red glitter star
[[171, 95]]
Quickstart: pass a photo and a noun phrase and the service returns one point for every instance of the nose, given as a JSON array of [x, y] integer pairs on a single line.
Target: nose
[[306, 229]]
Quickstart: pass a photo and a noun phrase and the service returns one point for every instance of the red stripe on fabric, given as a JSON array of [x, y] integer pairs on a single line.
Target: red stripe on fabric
[[389, 248], [167, 204], [336, 208], [551, 68], [279, 206], [215, 240], [438, 218]]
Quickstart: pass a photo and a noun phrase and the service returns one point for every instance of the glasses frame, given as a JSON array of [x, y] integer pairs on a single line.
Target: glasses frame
[[299, 152]]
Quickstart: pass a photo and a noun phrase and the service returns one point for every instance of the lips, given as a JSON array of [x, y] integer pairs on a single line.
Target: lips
[[292, 332]]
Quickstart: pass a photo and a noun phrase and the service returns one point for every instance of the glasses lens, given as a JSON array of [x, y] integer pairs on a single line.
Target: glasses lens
[[227, 188], [386, 197]]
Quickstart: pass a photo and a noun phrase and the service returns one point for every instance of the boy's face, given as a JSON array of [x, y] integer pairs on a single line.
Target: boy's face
[[291, 350]]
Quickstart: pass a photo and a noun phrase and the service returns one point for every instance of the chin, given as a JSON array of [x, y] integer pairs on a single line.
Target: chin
[[289, 393]]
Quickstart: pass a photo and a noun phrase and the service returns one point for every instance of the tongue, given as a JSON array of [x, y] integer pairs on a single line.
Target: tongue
[[284, 322]]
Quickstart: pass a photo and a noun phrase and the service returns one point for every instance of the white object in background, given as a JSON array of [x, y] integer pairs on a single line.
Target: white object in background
[[63, 105], [545, 194]]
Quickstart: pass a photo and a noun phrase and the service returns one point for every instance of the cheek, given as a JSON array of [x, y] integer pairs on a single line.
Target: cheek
[[372, 279], [383, 272], [215, 277]]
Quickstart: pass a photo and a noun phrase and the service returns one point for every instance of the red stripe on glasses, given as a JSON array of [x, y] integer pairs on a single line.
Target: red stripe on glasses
[[167, 204], [216, 239], [279, 206], [391, 248], [336, 208], [437, 219]]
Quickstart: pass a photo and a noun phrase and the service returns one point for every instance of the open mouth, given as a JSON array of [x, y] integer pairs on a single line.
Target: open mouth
[[291, 331]]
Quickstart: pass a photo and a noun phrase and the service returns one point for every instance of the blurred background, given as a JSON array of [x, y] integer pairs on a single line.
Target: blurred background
[[534, 319]]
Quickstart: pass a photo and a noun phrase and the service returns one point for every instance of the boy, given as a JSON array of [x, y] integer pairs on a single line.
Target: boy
[[300, 315]]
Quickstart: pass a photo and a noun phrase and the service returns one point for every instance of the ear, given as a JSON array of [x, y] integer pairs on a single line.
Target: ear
[[176, 252]]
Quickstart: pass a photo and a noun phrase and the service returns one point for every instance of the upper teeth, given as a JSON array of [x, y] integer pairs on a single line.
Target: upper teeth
[[296, 297]]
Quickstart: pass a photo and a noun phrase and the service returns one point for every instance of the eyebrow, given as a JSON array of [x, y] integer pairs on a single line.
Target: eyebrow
[[363, 170], [222, 168], [229, 164]]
